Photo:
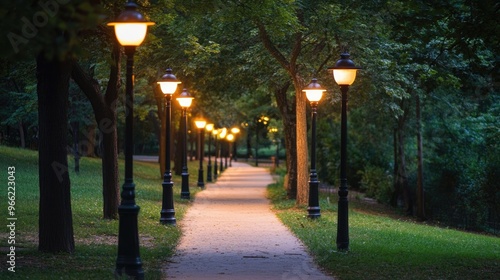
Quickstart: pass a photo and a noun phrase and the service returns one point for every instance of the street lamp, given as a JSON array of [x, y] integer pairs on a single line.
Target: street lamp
[[235, 131], [314, 92], [209, 127], [200, 124], [344, 73], [222, 135], [274, 133], [215, 132], [185, 99], [168, 84], [230, 139], [130, 30]]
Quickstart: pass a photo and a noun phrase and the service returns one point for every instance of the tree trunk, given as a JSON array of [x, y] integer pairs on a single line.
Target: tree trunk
[[21, 134], [110, 189], [401, 175], [302, 151], [297, 171], [420, 168], [396, 187], [90, 140], [104, 107], [288, 115], [55, 217]]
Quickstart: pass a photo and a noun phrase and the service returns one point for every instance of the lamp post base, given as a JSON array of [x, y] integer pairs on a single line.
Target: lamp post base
[[167, 213], [209, 172], [313, 212], [313, 209], [200, 183], [168, 217], [128, 260]]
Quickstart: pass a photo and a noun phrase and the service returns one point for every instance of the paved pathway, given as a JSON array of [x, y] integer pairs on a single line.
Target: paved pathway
[[231, 233]]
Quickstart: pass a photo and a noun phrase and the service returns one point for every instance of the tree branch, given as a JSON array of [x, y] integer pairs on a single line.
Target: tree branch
[[89, 86], [268, 44]]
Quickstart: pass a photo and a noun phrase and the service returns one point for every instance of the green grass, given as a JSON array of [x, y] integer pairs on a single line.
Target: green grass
[[95, 238], [385, 245]]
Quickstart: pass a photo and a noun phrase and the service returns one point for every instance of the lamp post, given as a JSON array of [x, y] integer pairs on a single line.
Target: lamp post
[[222, 135], [168, 84], [130, 30], [230, 139], [344, 73], [185, 99], [215, 132], [235, 131], [314, 92], [274, 133], [209, 127], [200, 124]]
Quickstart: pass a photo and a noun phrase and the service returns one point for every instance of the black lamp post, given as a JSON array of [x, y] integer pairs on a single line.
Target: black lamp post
[[209, 127], [130, 30], [235, 131], [230, 140], [200, 124], [222, 135], [344, 73], [215, 132], [168, 84], [313, 91], [185, 99]]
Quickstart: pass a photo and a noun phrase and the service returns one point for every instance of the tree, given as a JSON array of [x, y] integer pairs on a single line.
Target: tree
[[55, 220], [54, 47]]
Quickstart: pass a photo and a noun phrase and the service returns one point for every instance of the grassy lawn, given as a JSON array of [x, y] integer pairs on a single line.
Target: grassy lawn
[[385, 245], [95, 238]]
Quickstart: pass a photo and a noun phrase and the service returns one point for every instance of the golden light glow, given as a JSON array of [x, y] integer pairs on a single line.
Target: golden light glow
[[200, 123], [209, 127], [130, 33], [344, 77], [230, 137], [168, 87], [314, 95], [185, 102], [235, 130], [223, 133]]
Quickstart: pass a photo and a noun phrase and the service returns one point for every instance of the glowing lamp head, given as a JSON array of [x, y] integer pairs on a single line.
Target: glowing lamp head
[[168, 82], [230, 137], [314, 91], [235, 130], [200, 123], [344, 71], [222, 133], [185, 99], [130, 26], [209, 127]]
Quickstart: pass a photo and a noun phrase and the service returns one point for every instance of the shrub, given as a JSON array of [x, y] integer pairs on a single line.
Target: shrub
[[376, 182]]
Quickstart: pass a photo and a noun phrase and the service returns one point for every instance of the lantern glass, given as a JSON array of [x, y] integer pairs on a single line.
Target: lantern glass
[[344, 77], [200, 123], [130, 33], [314, 95], [168, 87]]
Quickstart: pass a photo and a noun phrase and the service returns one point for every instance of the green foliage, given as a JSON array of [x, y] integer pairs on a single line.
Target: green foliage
[[51, 27], [377, 183]]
